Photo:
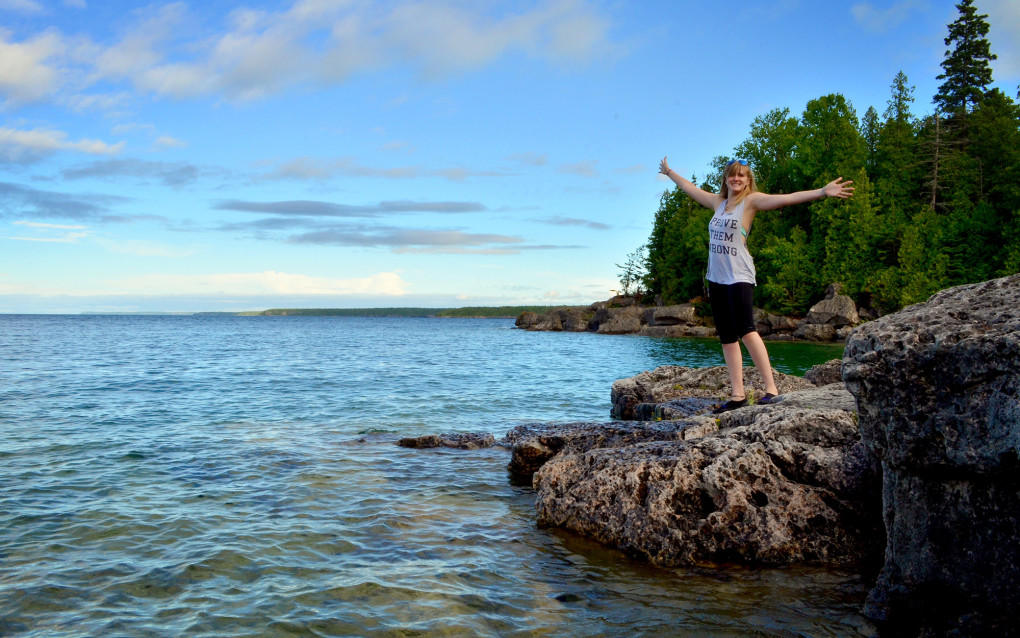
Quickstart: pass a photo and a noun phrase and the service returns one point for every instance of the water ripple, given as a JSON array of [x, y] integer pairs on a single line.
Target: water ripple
[[239, 476]]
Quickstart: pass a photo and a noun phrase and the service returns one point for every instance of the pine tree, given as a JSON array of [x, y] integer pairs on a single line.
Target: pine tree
[[966, 69]]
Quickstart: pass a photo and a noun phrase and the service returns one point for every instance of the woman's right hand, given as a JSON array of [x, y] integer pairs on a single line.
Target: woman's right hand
[[664, 167]]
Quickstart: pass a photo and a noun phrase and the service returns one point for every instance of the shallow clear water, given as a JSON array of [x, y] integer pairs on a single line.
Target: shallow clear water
[[238, 476]]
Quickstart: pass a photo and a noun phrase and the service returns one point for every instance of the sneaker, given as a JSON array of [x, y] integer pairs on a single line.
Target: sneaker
[[732, 404], [768, 398]]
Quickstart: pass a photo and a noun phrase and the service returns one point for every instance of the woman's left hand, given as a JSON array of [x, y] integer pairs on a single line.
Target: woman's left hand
[[838, 188]]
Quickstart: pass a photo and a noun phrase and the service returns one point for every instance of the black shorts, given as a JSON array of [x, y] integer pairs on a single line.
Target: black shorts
[[732, 309]]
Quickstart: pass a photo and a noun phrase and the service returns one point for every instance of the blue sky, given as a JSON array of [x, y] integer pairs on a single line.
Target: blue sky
[[217, 155]]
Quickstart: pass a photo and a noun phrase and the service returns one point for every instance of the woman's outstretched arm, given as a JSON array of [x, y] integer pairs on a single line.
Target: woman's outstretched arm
[[835, 188], [706, 199]]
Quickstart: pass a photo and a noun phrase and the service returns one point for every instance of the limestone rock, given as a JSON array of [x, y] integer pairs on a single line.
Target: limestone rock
[[534, 444], [938, 387], [815, 331], [776, 483], [773, 326], [614, 321], [671, 382], [825, 373], [671, 315], [837, 311], [468, 441], [526, 320]]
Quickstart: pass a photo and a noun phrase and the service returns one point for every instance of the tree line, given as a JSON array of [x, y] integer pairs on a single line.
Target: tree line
[[937, 200]]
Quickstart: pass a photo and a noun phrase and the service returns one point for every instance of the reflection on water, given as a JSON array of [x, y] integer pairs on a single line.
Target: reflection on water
[[235, 477]]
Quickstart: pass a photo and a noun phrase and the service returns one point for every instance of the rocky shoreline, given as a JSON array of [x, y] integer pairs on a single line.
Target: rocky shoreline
[[831, 319], [903, 459]]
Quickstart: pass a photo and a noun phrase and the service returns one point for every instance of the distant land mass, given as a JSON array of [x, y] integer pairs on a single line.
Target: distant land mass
[[488, 312]]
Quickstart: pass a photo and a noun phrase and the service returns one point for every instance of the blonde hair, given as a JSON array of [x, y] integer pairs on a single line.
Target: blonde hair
[[730, 169]]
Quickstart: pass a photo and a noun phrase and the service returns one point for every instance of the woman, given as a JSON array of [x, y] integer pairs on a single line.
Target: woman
[[731, 270]]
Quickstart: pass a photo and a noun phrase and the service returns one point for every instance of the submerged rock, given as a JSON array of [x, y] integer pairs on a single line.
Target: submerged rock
[[468, 441], [938, 387]]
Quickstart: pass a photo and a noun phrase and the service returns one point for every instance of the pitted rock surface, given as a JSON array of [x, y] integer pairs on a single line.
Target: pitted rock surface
[[469, 441], [775, 484], [938, 387], [666, 383]]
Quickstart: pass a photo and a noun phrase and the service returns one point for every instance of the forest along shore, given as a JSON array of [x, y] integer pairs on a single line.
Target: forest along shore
[[831, 319]]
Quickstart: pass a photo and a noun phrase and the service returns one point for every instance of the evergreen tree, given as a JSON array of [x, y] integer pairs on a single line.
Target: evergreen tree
[[678, 248], [966, 69], [870, 130]]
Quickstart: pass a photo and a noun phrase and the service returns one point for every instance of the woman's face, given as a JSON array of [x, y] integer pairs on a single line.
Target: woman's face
[[739, 179]]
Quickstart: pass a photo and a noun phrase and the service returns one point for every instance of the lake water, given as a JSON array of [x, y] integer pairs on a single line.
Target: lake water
[[238, 476]]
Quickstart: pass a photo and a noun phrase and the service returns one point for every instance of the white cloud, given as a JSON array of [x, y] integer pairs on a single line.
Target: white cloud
[[42, 225], [143, 248], [166, 141], [168, 52], [582, 169], [21, 6], [1004, 36], [261, 283], [21, 145], [27, 73], [881, 20], [52, 233]]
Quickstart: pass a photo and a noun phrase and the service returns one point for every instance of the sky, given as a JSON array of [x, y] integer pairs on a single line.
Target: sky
[[229, 156]]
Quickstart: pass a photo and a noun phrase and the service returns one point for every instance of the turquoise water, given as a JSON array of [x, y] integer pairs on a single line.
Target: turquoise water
[[238, 476]]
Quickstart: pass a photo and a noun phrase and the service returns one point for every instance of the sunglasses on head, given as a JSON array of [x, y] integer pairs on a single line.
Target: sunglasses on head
[[732, 162]]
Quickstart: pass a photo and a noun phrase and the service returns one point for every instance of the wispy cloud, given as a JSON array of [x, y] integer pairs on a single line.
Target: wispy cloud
[[260, 283], [880, 20], [571, 221], [21, 6], [310, 168], [312, 208], [52, 233], [172, 174], [23, 201], [529, 159], [23, 146], [169, 52], [144, 248], [581, 169], [401, 238]]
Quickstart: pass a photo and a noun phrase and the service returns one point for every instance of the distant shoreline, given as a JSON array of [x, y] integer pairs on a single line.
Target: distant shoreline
[[470, 312]]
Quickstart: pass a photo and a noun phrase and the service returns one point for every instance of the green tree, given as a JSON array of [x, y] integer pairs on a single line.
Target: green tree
[[678, 248], [966, 68], [633, 272], [871, 129], [897, 175]]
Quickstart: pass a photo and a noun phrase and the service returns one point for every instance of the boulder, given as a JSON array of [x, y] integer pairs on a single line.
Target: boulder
[[825, 373], [683, 314], [574, 319], [526, 320], [778, 483], [837, 311], [615, 321], [672, 382], [815, 331], [770, 325], [938, 388], [468, 441]]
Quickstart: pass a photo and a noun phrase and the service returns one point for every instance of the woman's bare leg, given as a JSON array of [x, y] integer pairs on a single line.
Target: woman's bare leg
[[735, 366], [756, 347]]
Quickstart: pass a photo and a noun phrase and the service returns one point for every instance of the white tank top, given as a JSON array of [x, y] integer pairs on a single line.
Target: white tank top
[[728, 259]]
